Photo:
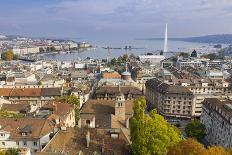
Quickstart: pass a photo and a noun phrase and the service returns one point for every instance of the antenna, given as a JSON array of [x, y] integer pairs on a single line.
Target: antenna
[[166, 39]]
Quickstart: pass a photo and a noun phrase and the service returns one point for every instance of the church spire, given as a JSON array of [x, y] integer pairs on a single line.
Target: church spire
[[166, 39]]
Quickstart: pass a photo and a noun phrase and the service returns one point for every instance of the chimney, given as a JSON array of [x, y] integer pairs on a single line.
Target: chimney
[[87, 139]]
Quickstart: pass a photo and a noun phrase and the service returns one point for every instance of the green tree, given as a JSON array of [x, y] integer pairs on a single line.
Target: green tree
[[125, 58], [41, 49], [151, 134], [184, 55], [12, 151], [211, 56], [195, 129], [114, 61], [161, 52], [52, 49]]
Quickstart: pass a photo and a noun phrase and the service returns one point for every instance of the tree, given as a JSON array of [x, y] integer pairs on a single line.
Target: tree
[[12, 151], [195, 129], [114, 61], [184, 55], [125, 58], [161, 52], [211, 56], [194, 54], [187, 147], [8, 56], [216, 150], [52, 49], [41, 49], [151, 134], [132, 56]]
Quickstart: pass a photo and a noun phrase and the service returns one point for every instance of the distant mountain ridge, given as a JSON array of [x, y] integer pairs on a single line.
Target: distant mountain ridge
[[215, 39]]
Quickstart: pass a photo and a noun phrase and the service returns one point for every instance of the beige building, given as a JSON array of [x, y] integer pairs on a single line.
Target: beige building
[[158, 90]]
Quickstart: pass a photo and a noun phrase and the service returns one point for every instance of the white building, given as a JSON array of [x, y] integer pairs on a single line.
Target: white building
[[29, 133], [153, 59]]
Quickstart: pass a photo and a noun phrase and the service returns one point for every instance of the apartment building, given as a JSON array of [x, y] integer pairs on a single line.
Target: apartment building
[[217, 118], [170, 100], [181, 83]]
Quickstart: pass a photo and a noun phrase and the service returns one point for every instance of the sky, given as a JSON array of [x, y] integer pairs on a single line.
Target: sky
[[115, 18]]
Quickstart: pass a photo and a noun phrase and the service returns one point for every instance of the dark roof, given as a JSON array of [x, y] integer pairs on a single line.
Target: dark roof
[[51, 91], [223, 108], [119, 90], [30, 92], [104, 107], [160, 87], [24, 107]]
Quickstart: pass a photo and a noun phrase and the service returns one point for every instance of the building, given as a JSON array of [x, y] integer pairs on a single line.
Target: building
[[153, 59], [111, 75], [30, 133], [111, 92], [217, 118], [37, 96], [61, 113], [187, 63], [170, 100], [105, 114], [192, 90]]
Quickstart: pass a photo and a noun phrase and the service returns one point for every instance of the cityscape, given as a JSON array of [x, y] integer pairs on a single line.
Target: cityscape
[[133, 77]]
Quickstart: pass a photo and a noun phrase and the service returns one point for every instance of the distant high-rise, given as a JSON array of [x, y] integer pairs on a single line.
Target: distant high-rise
[[166, 39]]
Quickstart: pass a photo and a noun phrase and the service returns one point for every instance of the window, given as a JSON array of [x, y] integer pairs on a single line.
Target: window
[[87, 122], [3, 143], [17, 143], [35, 143], [2, 135], [25, 143]]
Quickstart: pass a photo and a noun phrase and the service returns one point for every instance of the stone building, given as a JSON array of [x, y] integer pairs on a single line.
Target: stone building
[[217, 118], [111, 92]]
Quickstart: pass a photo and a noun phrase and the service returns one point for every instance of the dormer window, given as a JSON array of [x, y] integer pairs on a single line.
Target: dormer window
[[2, 135], [24, 134]]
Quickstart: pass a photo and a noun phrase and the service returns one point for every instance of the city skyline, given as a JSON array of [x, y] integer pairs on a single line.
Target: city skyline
[[108, 19]]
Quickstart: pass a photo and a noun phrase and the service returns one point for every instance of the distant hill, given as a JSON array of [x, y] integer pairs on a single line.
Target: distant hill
[[215, 39]]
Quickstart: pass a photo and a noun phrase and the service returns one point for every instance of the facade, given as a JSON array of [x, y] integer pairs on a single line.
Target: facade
[[170, 100], [105, 114], [36, 96], [153, 59], [111, 92], [217, 118], [193, 90]]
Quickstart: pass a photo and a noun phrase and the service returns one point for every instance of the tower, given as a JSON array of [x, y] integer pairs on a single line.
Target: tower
[[120, 108], [166, 39]]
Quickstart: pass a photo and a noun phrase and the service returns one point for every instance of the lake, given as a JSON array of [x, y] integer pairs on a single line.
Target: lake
[[100, 53]]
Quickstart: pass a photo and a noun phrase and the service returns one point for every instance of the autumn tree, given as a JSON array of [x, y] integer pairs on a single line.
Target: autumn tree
[[195, 129], [8, 56], [187, 147], [151, 134], [216, 150]]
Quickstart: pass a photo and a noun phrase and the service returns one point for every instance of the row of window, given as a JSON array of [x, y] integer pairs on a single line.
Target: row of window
[[24, 143]]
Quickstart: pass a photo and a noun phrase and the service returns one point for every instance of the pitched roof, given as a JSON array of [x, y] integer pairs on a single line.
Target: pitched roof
[[37, 127], [111, 75], [29, 92], [104, 107], [16, 107]]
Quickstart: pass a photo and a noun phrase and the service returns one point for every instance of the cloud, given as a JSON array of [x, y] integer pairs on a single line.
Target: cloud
[[111, 17]]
